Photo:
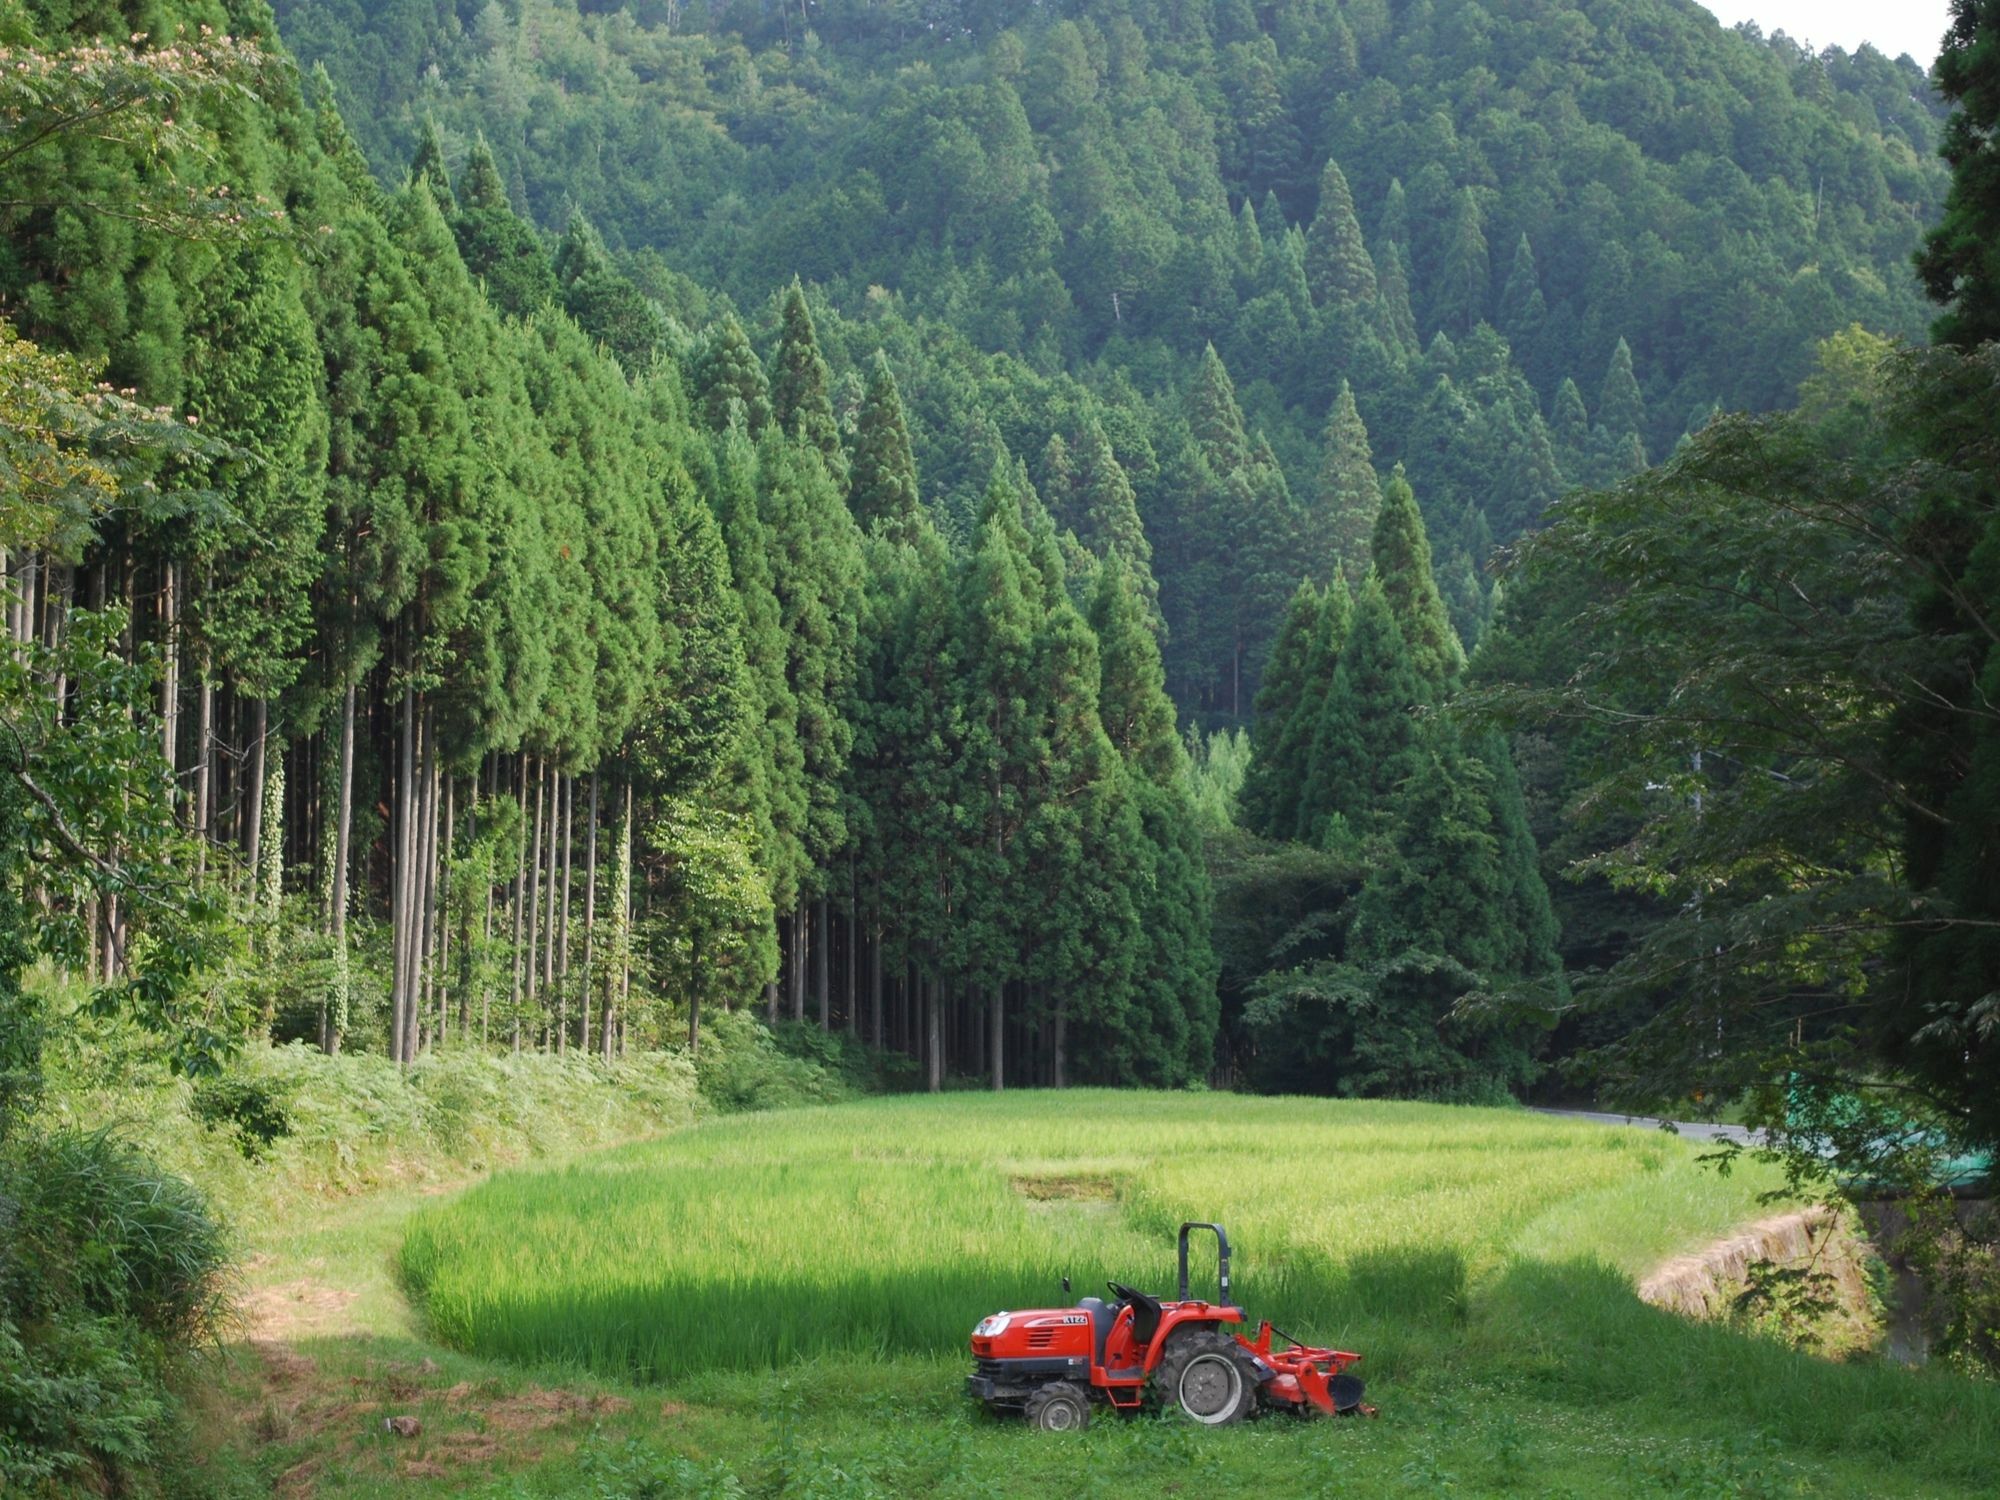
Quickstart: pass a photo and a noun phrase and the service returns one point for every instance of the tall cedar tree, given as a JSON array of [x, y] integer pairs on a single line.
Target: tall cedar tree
[[498, 246], [1522, 310], [1960, 258], [1338, 267], [1173, 999], [800, 399], [1055, 481], [1366, 735], [1295, 738], [1268, 802], [1402, 555], [729, 378], [1003, 705], [814, 551], [1621, 410], [1109, 511], [428, 167], [605, 302], [909, 767], [1465, 271], [882, 486], [1339, 525], [1431, 923], [772, 780], [1083, 867]]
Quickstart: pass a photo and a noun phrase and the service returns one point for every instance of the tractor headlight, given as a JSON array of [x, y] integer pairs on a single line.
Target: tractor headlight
[[993, 1327]]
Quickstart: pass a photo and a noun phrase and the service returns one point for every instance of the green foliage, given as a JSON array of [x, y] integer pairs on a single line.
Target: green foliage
[[497, 245], [1959, 261], [800, 402], [358, 1121], [606, 304], [20, 1017], [89, 793], [1769, 658], [882, 488], [71, 449], [110, 1269], [714, 905], [1217, 772], [746, 1068]]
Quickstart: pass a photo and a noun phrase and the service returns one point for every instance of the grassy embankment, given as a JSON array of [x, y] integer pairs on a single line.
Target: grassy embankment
[[777, 1305]]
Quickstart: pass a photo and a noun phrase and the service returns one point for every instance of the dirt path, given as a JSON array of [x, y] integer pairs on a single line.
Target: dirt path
[[328, 1382], [302, 1309]]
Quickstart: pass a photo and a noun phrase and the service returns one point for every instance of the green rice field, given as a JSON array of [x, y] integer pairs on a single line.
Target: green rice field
[[1482, 1261], [890, 1227]]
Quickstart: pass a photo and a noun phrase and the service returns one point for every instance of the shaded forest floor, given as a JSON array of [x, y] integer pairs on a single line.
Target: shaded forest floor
[[1555, 1380]]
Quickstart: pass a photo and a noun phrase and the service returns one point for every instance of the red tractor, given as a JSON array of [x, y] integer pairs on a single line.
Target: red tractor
[[1186, 1355]]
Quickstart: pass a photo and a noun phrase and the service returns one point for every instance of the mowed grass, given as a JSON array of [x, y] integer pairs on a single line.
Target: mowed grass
[[802, 1284], [890, 1227]]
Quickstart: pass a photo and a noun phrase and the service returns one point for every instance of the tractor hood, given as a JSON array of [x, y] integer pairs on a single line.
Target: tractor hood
[[1033, 1333], [1031, 1317]]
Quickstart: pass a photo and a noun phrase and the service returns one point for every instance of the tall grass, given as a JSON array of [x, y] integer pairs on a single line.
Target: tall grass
[[1483, 1250], [288, 1123], [892, 1225]]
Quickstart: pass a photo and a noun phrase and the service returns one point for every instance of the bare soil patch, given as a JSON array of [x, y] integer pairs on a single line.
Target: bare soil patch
[[463, 1426], [1060, 1188], [296, 1310]]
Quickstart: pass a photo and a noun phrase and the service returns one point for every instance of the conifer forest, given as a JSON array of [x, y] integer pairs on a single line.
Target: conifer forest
[[1438, 550]]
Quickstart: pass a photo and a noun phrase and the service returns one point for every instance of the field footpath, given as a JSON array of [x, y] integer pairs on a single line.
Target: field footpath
[[324, 1349]]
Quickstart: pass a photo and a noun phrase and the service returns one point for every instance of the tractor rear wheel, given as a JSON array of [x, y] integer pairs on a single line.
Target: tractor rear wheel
[[1059, 1406], [1201, 1376]]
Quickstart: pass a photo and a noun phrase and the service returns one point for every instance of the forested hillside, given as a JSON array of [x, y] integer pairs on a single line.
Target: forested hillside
[[475, 653], [1536, 243], [1097, 543], [742, 497]]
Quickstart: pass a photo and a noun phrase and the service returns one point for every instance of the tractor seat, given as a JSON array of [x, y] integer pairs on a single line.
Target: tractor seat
[[1102, 1314], [1145, 1318]]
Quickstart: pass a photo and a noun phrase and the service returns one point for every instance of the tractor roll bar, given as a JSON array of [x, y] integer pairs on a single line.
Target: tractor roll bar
[[1221, 1261]]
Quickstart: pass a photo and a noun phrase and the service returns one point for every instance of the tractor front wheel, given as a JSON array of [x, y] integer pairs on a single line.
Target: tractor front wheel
[[1201, 1376], [1059, 1407]]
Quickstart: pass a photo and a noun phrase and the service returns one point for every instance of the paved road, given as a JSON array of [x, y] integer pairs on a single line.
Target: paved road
[[1693, 1130]]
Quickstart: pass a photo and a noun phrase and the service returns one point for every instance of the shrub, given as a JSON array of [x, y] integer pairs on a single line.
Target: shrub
[[743, 1067], [110, 1269], [864, 1069], [253, 1109]]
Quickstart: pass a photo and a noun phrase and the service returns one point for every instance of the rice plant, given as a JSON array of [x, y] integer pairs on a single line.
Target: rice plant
[[889, 1226]]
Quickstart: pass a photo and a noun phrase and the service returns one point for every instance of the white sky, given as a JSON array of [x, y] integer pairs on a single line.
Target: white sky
[[1894, 26]]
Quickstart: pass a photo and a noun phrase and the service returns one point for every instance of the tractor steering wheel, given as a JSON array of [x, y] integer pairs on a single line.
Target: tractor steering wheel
[[1122, 1292]]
